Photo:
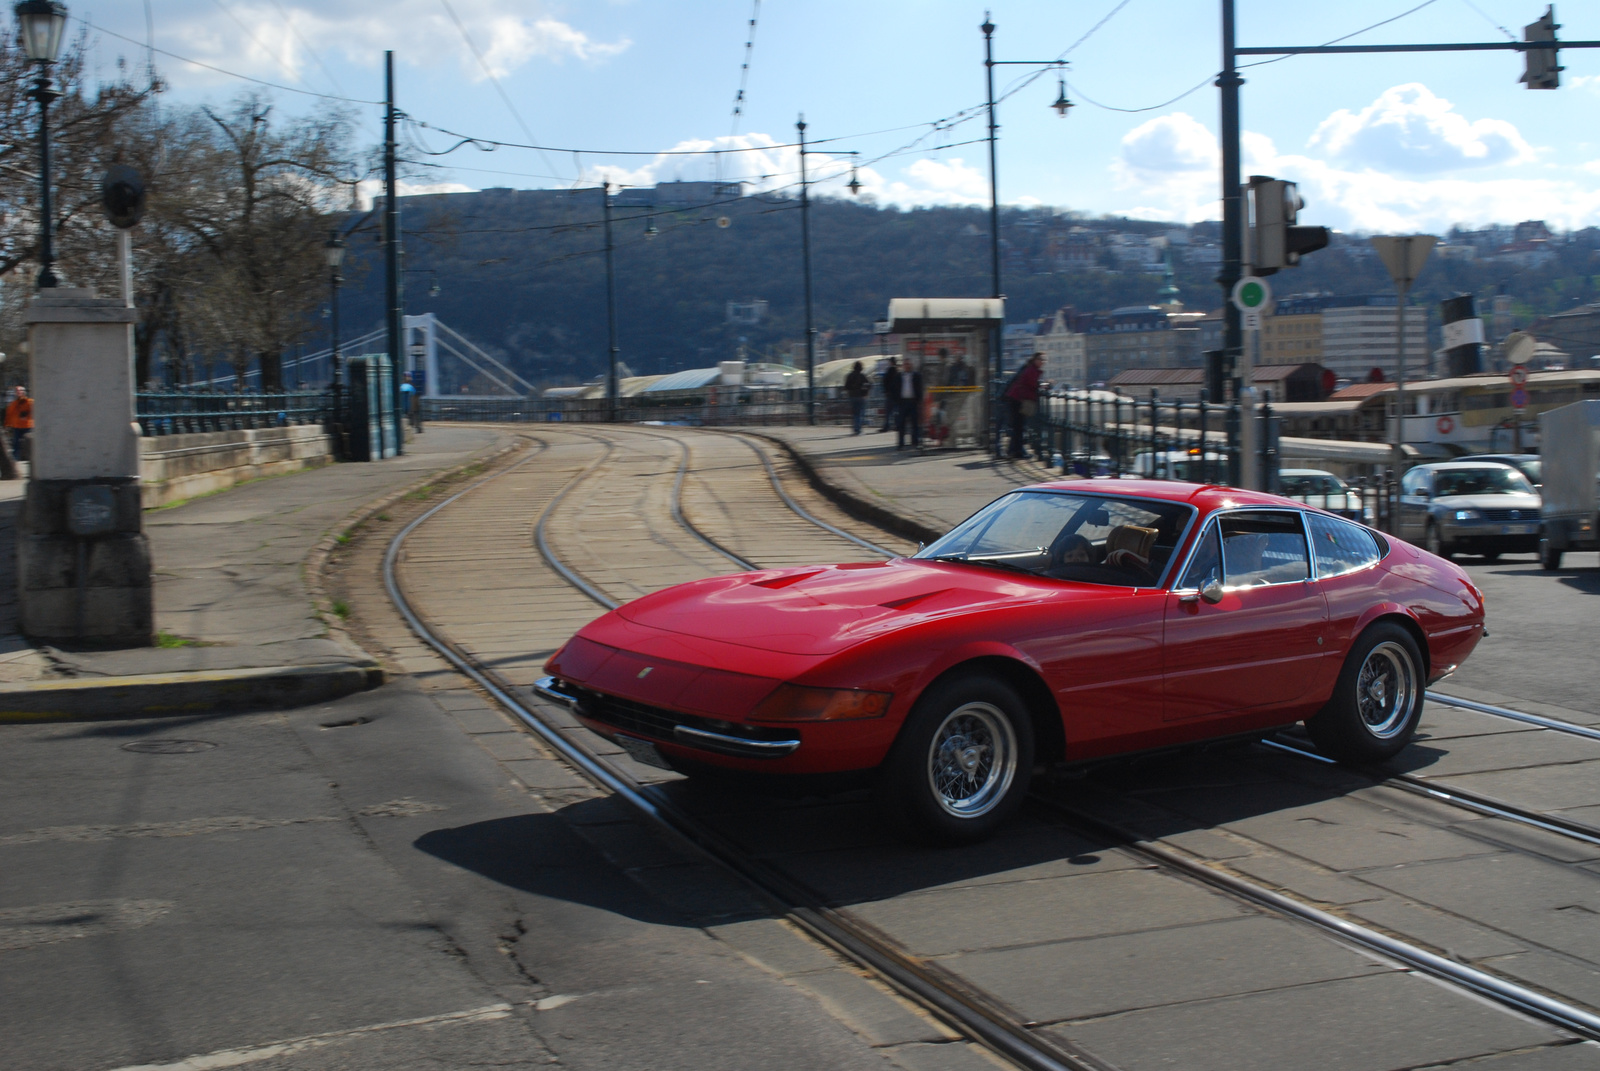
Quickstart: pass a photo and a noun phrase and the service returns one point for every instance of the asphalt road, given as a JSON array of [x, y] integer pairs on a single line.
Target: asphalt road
[[1543, 632], [266, 890]]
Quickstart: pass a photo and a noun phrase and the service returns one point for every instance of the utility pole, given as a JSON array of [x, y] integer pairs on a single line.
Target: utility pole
[[994, 176], [1233, 221], [611, 310], [391, 253], [805, 260]]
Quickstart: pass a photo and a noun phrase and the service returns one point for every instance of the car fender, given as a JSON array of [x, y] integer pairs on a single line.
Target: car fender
[[971, 651], [1391, 609]]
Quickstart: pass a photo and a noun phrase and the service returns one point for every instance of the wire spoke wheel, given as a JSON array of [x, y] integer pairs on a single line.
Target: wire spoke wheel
[[972, 760], [1386, 689]]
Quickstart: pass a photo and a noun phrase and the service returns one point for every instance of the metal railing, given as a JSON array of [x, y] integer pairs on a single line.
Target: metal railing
[[723, 406], [186, 412]]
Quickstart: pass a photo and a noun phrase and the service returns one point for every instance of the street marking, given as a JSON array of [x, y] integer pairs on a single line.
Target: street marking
[[212, 1061]]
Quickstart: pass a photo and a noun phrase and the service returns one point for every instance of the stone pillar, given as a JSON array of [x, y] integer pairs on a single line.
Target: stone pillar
[[83, 561]]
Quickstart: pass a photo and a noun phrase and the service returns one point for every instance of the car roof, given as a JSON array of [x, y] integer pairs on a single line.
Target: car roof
[[1506, 458], [1204, 496], [1305, 472], [1437, 465]]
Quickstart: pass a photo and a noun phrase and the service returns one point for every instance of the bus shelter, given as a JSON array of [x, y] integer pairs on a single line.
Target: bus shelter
[[952, 342]]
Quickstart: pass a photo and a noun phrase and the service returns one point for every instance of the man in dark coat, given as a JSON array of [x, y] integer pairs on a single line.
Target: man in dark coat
[[905, 392], [856, 387], [1022, 399]]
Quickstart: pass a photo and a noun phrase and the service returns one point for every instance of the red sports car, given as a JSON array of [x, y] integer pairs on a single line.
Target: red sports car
[[1059, 624]]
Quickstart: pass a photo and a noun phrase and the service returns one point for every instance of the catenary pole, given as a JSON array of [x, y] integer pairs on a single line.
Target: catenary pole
[[1232, 197], [611, 310], [805, 261], [391, 252], [991, 361]]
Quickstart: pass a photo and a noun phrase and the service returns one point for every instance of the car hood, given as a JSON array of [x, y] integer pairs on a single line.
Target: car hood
[[821, 610], [1515, 501]]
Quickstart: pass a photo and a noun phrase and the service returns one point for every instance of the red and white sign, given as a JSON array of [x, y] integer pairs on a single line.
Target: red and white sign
[[1445, 425], [1518, 375]]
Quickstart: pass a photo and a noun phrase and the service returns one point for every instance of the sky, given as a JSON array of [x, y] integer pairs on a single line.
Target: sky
[[892, 91]]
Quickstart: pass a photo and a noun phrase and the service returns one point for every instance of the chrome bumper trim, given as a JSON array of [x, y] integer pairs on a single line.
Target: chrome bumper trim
[[1444, 671], [764, 749], [548, 687]]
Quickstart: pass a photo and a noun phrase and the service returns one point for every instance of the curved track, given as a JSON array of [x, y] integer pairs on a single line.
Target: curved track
[[602, 504]]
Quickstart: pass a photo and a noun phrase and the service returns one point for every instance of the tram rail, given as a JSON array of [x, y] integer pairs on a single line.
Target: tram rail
[[969, 1012]]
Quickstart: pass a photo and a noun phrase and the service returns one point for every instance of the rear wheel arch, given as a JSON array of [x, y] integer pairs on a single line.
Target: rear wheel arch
[[1409, 623], [1050, 743]]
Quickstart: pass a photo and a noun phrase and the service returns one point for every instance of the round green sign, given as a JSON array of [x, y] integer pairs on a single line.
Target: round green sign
[[1252, 294]]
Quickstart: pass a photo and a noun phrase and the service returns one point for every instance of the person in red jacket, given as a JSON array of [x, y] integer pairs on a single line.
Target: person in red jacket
[[19, 419], [1022, 399]]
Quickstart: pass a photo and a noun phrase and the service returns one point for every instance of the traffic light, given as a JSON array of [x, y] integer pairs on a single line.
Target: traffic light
[[1543, 70], [1275, 239]]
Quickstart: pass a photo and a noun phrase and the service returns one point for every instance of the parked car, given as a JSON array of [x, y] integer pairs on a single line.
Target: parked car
[[1179, 465], [1530, 465], [1322, 489], [1469, 507], [1062, 623]]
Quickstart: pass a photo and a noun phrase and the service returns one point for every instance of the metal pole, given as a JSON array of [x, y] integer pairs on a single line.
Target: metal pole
[[611, 311], [805, 261], [1400, 300], [47, 257], [993, 358], [1232, 198], [391, 250]]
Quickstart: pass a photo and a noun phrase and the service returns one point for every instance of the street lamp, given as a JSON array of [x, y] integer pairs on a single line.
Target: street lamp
[[333, 252], [41, 23]]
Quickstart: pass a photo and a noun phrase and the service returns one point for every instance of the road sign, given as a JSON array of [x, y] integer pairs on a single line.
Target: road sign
[[1404, 255], [1518, 375], [1251, 294], [1252, 321], [1519, 398]]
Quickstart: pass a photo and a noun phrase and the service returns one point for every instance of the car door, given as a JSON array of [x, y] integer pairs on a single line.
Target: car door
[[1346, 556], [1262, 643]]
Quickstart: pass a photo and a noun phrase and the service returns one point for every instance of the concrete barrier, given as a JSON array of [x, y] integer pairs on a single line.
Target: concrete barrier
[[175, 467]]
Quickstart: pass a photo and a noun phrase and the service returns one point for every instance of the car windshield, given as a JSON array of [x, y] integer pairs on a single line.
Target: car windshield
[[1485, 481], [1303, 485], [1095, 539]]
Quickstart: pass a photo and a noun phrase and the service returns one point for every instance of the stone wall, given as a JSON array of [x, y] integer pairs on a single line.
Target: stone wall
[[175, 467]]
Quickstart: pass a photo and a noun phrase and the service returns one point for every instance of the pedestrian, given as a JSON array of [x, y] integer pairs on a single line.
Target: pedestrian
[[1022, 399], [959, 374], [19, 420], [856, 387], [889, 379], [409, 404], [908, 406]]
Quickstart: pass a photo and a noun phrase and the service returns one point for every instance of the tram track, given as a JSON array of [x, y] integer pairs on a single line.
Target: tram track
[[966, 1010]]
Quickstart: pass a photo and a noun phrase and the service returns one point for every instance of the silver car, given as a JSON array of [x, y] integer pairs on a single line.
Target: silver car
[[1469, 507], [1315, 487]]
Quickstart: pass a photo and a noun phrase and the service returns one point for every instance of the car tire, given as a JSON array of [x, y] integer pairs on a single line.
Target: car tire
[[1433, 543], [1377, 700], [1491, 556], [1549, 557], [961, 764]]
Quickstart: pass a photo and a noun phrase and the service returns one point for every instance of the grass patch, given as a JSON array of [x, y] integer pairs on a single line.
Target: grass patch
[[341, 609], [384, 517], [422, 493], [167, 639], [342, 538]]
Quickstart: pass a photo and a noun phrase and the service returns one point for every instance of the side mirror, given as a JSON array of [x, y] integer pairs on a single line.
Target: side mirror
[[1211, 590]]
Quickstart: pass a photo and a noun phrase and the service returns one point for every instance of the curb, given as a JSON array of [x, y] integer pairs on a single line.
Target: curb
[[857, 506], [169, 695]]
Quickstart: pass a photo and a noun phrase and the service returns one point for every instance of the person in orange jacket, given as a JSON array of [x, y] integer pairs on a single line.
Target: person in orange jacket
[[19, 418]]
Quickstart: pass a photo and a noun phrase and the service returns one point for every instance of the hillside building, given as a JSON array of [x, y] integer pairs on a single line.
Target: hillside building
[[1358, 335], [1140, 336]]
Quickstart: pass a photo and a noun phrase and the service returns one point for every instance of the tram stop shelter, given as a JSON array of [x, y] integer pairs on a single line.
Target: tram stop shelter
[[952, 342]]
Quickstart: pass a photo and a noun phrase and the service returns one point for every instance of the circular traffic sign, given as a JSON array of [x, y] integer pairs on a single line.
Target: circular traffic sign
[[1251, 294], [1518, 375], [1445, 425], [1519, 398]]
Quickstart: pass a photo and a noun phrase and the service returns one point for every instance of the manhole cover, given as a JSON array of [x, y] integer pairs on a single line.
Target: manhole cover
[[168, 747]]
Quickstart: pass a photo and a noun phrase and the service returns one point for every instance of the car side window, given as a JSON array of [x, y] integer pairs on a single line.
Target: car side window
[[1206, 563], [1413, 481], [1268, 547], [1340, 547]]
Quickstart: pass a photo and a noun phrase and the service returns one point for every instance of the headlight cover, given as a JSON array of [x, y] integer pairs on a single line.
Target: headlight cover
[[794, 702]]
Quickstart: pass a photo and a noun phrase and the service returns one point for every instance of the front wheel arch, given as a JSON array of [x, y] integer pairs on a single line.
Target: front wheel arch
[[1049, 735]]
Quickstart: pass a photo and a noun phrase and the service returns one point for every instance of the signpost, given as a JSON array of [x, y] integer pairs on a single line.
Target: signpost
[[1404, 255], [1518, 375], [1252, 297]]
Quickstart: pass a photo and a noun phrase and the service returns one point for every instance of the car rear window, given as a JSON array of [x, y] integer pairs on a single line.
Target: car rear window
[[1340, 547]]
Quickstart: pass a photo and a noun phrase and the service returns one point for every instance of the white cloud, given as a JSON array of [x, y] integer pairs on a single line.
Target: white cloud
[[1171, 164], [1409, 129], [371, 188], [268, 39]]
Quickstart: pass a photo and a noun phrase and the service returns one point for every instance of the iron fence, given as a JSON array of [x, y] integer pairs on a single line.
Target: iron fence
[[727, 406], [185, 412]]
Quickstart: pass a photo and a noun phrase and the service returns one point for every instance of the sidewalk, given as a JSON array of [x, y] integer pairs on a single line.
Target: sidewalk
[[232, 602], [918, 495]]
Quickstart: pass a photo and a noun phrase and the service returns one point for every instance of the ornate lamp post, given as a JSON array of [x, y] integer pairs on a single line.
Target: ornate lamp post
[[333, 253], [41, 23]]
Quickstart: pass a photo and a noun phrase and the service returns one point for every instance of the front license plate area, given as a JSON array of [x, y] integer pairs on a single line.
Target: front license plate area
[[642, 751], [1518, 529]]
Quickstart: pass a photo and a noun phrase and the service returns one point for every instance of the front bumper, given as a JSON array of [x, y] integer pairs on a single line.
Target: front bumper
[[610, 716], [1495, 536]]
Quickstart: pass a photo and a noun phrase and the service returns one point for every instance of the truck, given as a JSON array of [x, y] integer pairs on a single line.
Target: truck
[[1569, 441]]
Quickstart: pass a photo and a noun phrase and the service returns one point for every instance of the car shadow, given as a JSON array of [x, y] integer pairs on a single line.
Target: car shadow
[[839, 849]]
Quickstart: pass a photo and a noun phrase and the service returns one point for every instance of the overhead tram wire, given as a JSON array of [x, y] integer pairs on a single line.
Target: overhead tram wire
[[1346, 37], [498, 88], [744, 80], [312, 52]]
